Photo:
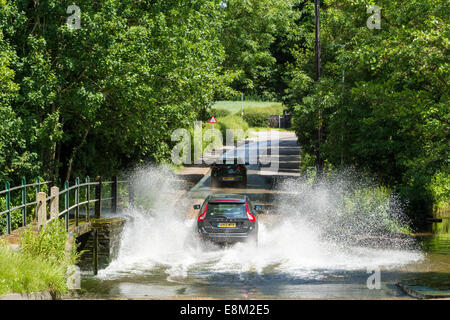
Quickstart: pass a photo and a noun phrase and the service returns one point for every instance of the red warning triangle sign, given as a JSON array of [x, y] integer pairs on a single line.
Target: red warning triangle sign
[[212, 120]]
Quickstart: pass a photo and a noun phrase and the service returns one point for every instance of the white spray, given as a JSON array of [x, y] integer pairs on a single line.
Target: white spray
[[297, 242]]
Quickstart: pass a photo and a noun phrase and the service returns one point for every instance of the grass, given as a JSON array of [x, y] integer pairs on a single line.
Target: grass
[[238, 126], [40, 264], [23, 273], [235, 106]]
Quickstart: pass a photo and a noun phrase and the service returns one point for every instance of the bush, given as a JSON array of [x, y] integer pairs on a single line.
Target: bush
[[440, 188], [220, 113], [257, 117], [235, 123], [231, 122]]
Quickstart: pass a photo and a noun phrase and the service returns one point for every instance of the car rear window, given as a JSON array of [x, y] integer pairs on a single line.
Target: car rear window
[[230, 162], [227, 210], [228, 165]]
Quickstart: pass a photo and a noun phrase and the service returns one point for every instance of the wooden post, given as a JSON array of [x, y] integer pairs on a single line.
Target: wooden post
[[95, 251], [54, 203], [41, 209], [114, 195], [98, 197]]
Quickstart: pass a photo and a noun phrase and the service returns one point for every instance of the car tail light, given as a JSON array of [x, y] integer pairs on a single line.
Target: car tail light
[[203, 215], [250, 217], [240, 168]]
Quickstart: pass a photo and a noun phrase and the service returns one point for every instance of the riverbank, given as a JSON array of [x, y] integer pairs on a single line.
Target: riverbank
[[23, 277], [41, 264]]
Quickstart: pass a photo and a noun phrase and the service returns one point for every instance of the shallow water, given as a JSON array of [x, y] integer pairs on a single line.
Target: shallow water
[[160, 258], [239, 273]]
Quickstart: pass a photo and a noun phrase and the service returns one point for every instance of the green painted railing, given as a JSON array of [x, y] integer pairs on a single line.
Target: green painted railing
[[65, 194], [23, 207]]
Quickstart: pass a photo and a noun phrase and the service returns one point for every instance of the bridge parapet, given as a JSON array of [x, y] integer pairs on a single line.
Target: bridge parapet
[[70, 204]]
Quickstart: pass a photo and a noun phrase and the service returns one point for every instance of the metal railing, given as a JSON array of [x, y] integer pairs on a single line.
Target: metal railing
[[56, 195], [24, 204]]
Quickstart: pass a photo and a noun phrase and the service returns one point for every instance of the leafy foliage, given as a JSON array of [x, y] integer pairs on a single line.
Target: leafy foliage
[[252, 30], [257, 117], [107, 96], [220, 113], [390, 115], [100, 98]]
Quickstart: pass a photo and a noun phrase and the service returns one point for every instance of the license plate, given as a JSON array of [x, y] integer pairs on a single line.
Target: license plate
[[226, 225], [228, 179]]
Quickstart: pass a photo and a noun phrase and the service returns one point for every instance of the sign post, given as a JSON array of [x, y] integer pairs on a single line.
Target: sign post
[[242, 106], [212, 121]]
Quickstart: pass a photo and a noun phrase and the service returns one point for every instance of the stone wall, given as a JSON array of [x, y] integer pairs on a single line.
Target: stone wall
[[109, 232]]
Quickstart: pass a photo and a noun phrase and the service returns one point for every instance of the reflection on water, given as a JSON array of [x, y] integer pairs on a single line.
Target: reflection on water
[[439, 242], [434, 272]]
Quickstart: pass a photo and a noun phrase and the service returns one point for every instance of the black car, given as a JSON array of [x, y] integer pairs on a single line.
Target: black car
[[229, 170], [227, 219]]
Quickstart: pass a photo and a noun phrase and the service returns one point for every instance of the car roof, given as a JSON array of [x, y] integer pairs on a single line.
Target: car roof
[[219, 198]]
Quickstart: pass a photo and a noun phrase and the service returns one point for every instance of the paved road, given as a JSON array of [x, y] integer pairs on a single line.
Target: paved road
[[264, 171]]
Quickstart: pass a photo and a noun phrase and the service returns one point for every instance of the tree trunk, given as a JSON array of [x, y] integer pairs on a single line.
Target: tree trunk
[[74, 152]]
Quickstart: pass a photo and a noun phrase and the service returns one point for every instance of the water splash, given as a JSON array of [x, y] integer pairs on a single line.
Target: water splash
[[311, 236], [345, 209]]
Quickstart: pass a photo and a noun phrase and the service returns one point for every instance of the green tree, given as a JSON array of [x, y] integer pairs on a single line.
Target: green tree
[[252, 30], [390, 116], [15, 158], [105, 96]]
